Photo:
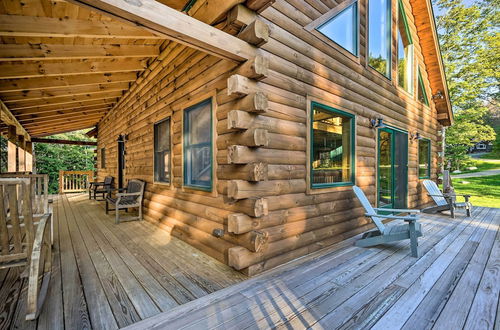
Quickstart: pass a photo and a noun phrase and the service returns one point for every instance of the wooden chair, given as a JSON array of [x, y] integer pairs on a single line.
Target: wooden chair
[[103, 187], [445, 201], [131, 198], [25, 240], [386, 234]]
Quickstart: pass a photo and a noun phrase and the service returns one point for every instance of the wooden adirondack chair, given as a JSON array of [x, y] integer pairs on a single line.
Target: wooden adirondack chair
[[132, 197], [25, 240], [445, 201], [386, 234]]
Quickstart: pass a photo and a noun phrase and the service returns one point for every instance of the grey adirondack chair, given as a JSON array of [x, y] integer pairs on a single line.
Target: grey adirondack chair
[[445, 201], [131, 197], [412, 230]]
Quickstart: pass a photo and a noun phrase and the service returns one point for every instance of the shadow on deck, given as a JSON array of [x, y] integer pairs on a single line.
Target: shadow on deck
[[453, 285], [107, 276]]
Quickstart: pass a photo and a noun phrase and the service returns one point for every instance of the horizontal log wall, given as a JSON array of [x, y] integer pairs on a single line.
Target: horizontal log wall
[[259, 196]]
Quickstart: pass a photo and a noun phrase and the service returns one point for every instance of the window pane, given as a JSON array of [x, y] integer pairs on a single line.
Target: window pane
[[343, 29], [379, 37], [405, 54], [423, 158], [421, 94], [331, 147], [198, 145], [162, 151]]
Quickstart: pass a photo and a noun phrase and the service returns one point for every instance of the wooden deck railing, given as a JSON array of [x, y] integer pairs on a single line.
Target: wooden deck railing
[[74, 181]]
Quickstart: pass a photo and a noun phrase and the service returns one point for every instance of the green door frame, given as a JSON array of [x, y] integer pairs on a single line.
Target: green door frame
[[391, 130]]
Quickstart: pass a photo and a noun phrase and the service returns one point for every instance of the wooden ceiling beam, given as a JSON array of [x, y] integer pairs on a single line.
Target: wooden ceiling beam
[[61, 141], [60, 107], [52, 131], [48, 83], [56, 129], [41, 122], [9, 70], [31, 26], [60, 100], [179, 27], [61, 114], [27, 95], [9, 119], [38, 52], [64, 122]]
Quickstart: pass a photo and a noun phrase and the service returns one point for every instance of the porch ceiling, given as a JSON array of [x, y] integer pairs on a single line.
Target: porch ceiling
[[63, 66]]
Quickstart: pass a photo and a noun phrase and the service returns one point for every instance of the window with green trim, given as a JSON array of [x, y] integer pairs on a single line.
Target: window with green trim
[[379, 36], [343, 28], [421, 94], [332, 147], [424, 159], [162, 151], [198, 146], [405, 52]]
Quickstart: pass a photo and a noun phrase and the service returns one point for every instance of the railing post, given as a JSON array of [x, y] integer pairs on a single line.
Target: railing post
[[61, 182]]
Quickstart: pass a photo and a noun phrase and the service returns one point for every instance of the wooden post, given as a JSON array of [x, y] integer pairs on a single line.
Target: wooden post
[[12, 150], [29, 156], [61, 182], [21, 153]]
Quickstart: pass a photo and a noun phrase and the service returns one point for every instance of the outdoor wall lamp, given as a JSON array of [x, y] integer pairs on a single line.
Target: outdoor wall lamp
[[377, 123], [438, 96], [416, 136]]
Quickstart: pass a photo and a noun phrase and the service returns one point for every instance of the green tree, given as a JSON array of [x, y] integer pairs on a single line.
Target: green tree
[[470, 46], [51, 158]]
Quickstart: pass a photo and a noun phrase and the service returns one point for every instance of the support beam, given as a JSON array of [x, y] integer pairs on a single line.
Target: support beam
[[37, 52], [9, 119], [48, 83], [60, 141], [63, 100], [31, 26], [179, 27], [11, 149], [21, 153], [65, 91], [22, 70], [29, 156]]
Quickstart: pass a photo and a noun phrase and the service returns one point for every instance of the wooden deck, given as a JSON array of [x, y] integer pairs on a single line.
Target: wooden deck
[[453, 285], [107, 276]]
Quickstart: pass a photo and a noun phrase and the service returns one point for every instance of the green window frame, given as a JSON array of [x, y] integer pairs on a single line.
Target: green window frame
[[198, 155], [352, 146], [381, 43], [162, 151], [404, 47], [346, 37], [426, 173], [421, 93]]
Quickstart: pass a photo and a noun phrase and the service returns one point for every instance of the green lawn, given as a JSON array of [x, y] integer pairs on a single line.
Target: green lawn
[[482, 165], [485, 190]]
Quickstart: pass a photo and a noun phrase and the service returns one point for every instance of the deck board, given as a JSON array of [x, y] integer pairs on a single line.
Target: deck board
[[346, 287], [108, 276], [136, 275]]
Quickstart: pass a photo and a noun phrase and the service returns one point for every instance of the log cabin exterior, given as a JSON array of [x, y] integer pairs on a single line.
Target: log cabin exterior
[[222, 108]]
